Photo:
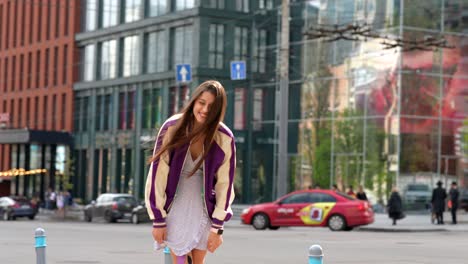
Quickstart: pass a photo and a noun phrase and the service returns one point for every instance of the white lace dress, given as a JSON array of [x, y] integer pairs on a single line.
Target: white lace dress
[[188, 224]]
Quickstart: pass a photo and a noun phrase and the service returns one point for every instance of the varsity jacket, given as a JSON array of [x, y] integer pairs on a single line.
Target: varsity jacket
[[218, 173]]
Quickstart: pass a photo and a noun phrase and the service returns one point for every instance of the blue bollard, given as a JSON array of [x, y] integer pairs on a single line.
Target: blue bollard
[[315, 254], [40, 246], [167, 256]]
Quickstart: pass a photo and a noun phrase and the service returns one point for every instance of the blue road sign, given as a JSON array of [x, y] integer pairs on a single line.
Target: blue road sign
[[183, 73], [238, 70]]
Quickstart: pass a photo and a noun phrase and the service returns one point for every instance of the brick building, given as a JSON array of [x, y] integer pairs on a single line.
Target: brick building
[[37, 69]]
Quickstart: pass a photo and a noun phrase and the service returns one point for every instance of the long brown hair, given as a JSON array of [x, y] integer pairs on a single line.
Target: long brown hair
[[185, 131]]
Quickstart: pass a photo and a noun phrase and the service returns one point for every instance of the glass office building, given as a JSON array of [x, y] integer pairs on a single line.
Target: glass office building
[[387, 106]]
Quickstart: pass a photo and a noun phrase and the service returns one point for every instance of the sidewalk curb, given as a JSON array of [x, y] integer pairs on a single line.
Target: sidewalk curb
[[401, 230]]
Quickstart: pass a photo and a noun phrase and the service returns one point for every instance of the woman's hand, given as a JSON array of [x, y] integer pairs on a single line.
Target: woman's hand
[[214, 241], [160, 235]]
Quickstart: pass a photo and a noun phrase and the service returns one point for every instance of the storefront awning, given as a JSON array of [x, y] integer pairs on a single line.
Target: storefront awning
[[21, 136]]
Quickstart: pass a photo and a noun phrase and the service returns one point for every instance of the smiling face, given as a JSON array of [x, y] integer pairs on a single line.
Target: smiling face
[[202, 106]]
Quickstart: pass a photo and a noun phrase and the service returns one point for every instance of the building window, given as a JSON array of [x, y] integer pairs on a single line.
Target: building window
[[132, 10], [13, 74], [156, 52], [184, 4], [1, 19], [152, 109], [36, 112], [259, 50], [29, 63], [64, 111], [131, 59], [182, 48], [265, 4], [54, 106], [47, 66], [20, 113], [108, 67], [38, 69], [84, 113], [216, 4], [58, 9], [45, 113], [5, 74], [216, 46], [28, 111], [55, 69], [131, 110], [242, 5], [65, 64], [88, 65], [110, 13], [21, 78], [107, 111], [127, 110], [48, 15], [240, 43], [157, 7], [98, 112], [91, 13]]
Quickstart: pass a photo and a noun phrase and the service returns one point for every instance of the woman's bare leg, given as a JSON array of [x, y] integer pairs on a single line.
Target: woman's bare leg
[[174, 258], [198, 256]]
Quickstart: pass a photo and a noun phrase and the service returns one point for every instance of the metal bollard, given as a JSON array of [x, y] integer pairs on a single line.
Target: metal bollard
[[167, 256], [315, 254], [41, 245]]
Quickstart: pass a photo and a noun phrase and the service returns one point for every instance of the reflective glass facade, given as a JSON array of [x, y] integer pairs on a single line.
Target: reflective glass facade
[[381, 116]]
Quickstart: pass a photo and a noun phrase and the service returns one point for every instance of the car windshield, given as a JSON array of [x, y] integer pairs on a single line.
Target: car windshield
[[418, 188], [123, 199]]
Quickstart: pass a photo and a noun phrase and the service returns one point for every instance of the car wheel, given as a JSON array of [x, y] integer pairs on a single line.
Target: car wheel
[[135, 219], [336, 223], [260, 221], [88, 218], [31, 217], [108, 217], [274, 227]]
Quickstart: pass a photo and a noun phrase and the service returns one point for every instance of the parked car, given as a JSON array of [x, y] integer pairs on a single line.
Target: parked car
[[111, 207], [417, 194], [140, 214], [14, 206], [321, 208]]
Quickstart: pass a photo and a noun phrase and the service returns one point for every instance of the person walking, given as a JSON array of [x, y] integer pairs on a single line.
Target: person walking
[[189, 188], [438, 202], [350, 191], [361, 194], [454, 195], [395, 206]]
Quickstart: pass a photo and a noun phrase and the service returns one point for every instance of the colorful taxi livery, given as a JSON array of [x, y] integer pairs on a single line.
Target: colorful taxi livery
[[310, 208]]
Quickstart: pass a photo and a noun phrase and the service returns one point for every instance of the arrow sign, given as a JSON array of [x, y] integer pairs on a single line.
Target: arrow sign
[[183, 73], [238, 70]]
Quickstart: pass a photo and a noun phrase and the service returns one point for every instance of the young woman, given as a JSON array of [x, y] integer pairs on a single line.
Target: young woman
[[189, 188]]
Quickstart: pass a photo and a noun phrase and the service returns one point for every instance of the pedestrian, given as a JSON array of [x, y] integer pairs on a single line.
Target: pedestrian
[[189, 188], [438, 202], [335, 188], [361, 194], [61, 204], [395, 206], [350, 191], [454, 194]]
